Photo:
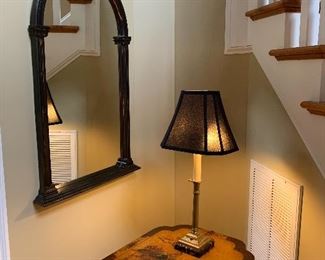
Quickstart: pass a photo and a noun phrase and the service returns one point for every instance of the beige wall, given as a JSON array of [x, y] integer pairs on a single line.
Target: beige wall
[[65, 7], [69, 92], [48, 14], [201, 64], [273, 141], [94, 224], [86, 96]]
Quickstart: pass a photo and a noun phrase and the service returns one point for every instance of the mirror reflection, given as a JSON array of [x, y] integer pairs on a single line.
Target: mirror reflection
[[83, 83]]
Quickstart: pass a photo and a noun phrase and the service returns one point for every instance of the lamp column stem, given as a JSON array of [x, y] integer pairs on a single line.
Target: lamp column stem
[[197, 169], [196, 242], [196, 206]]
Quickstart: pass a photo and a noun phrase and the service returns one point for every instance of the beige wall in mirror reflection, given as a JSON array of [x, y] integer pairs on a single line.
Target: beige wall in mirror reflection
[[86, 96], [48, 15]]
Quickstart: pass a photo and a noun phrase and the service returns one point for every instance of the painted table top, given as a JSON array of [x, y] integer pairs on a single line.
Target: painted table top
[[159, 244]]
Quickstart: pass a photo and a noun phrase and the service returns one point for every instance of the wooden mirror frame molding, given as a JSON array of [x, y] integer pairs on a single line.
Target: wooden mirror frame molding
[[48, 192]]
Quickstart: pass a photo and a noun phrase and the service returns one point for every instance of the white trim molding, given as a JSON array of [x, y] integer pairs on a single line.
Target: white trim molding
[[4, 234], [236, 30]]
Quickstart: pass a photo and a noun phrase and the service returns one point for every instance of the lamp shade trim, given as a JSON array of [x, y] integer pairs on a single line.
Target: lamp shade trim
[[177, 149], [225, 122], [199, 125], [217, 120]]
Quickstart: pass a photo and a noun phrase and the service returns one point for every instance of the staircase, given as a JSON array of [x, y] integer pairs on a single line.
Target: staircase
[[287, 39], [72, 35]]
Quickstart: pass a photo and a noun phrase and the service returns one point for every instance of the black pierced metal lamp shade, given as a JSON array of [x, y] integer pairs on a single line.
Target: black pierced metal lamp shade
[[52, 113], [200, 125]]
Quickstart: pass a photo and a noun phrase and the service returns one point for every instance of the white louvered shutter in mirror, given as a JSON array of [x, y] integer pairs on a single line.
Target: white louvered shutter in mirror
[[63, 149], [274, 218]]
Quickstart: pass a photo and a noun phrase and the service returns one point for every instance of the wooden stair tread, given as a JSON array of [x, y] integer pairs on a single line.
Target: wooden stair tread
[[316, 108], [299, 53], [63, 29], [80, 1], [283, 6]]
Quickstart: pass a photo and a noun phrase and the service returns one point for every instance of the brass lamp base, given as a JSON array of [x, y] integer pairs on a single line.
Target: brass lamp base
[[195, 243]]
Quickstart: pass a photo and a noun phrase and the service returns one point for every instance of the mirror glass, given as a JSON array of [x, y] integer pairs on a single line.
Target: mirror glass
[[84, 88]]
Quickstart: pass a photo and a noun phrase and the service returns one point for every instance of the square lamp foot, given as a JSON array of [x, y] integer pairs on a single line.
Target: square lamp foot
[[195, 243]]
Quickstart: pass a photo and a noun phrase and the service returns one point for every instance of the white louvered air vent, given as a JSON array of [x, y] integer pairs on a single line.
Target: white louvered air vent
[[63, 147], [274, 215]]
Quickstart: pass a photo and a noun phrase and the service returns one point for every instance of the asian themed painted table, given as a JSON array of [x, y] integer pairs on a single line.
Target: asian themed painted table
[[159, 244]]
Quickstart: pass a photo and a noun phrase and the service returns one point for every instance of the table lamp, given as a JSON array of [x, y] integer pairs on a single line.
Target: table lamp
[[199, 126]]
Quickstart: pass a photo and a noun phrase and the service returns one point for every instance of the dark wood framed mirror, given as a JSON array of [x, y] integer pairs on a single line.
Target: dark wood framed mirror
[[50, 192]]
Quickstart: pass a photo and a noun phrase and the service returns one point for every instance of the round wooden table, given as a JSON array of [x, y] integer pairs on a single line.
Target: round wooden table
[[159, 244]]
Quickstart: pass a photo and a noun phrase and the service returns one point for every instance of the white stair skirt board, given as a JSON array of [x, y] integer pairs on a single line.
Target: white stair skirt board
[[236, 31], [4, 236], [274, 215], [64, 155]]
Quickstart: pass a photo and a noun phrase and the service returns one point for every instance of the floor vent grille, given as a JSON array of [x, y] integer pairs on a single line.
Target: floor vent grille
[[274, 216]]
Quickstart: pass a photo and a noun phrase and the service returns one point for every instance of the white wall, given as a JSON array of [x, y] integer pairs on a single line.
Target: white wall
[[98, 222]]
